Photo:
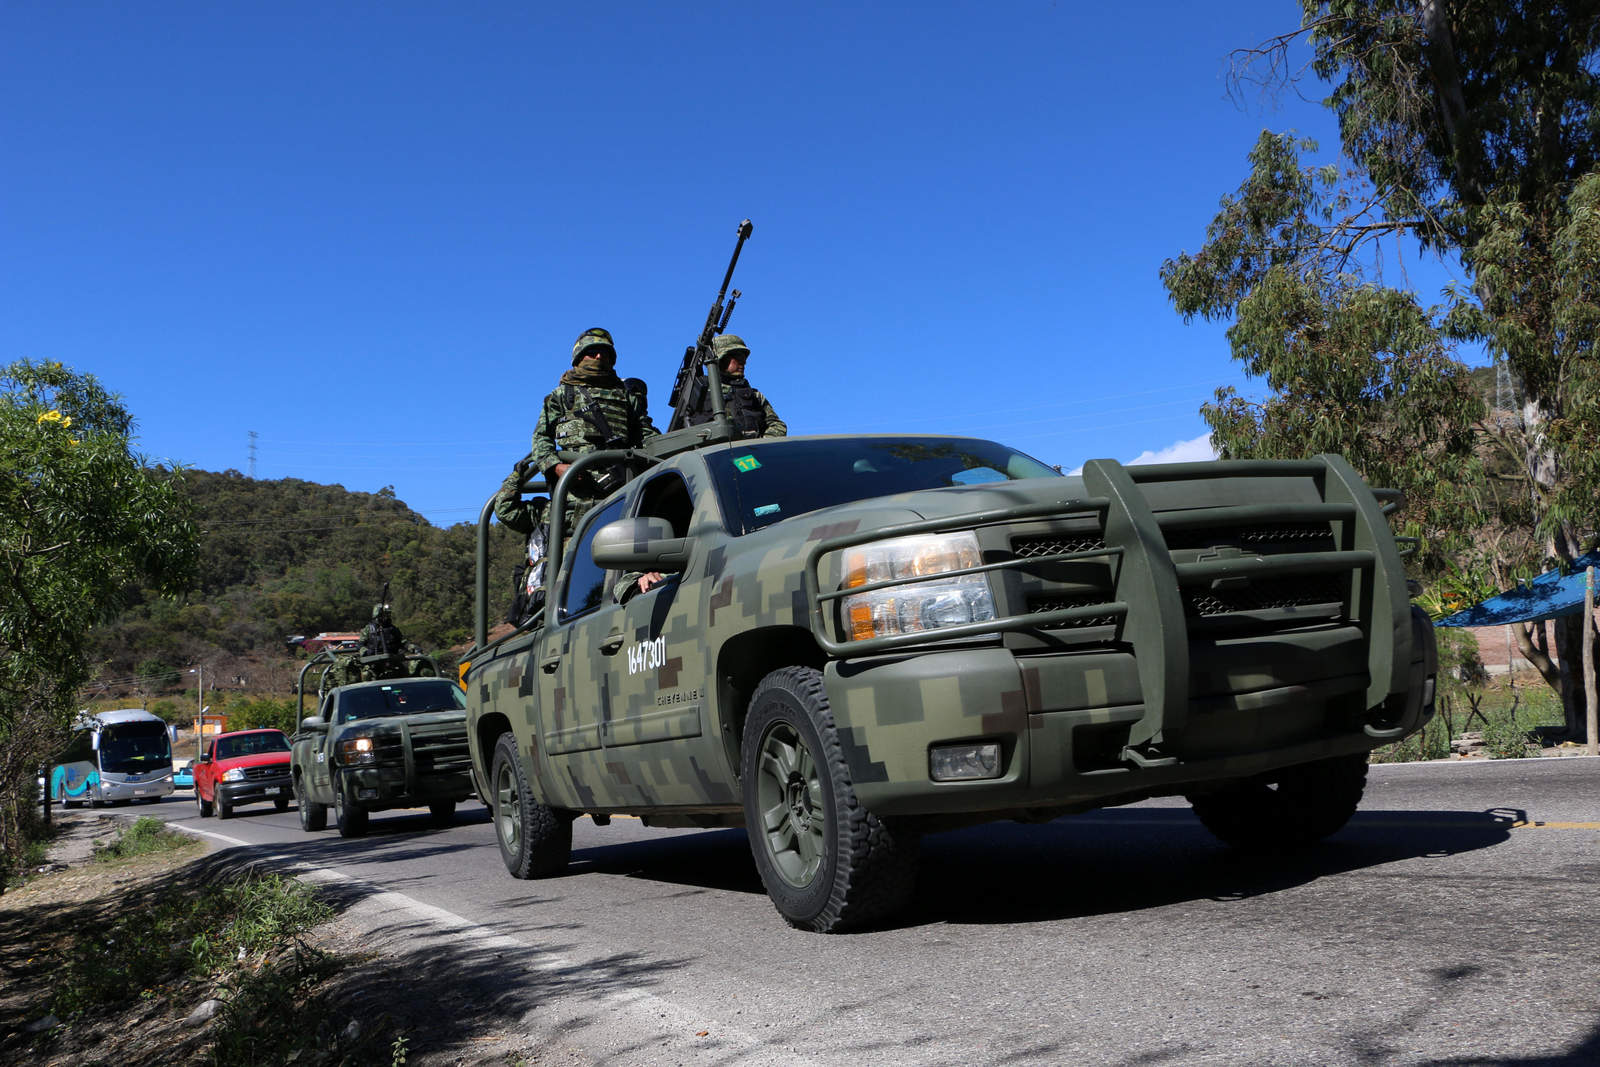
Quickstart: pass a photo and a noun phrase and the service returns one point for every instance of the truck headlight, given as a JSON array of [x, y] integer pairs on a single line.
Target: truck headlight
[[915, 606], [354, 750], [235, 775]]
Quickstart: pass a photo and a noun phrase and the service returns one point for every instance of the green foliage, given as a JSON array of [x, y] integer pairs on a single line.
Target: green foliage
[[249, 714], [1471, 128], [147, 834], [168, 712], [114, 963], [1507, 740], [292, 557], [84, 522]]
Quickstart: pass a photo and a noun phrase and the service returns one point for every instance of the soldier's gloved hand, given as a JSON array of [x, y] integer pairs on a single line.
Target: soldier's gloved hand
[[522, 465]]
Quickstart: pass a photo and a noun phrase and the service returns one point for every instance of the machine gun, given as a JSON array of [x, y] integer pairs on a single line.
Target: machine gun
[[691, 382]]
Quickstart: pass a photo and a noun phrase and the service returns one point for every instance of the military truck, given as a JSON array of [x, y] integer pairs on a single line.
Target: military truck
[[861, 640], [378, 745]]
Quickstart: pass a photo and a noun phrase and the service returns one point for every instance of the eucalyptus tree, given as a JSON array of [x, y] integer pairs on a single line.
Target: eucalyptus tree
[[1468, 129]]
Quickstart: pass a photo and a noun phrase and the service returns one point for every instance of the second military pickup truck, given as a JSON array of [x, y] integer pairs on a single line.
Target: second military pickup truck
[[859, 640], [372, 746]]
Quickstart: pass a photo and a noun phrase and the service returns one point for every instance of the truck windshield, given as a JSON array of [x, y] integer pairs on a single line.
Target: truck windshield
[[133, 747], [399, 698], [252, 744], [760, 484]]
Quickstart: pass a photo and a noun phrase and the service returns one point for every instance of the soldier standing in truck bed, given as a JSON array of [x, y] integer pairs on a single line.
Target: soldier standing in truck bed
[[750, 413], [590, 410]]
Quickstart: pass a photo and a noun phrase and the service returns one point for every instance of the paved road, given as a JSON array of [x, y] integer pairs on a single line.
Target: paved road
[[1455, 920]]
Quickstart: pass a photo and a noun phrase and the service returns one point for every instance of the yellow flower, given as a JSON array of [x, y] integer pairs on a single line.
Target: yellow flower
[[54, 416]]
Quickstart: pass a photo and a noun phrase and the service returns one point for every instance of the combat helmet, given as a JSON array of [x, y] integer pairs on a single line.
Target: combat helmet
[[725, 345], [592, 338]]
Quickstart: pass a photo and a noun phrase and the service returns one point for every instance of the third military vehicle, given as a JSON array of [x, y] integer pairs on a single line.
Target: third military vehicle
[[859, 640]]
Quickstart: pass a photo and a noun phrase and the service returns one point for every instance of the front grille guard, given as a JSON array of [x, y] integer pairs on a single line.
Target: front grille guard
[[1159, 633]]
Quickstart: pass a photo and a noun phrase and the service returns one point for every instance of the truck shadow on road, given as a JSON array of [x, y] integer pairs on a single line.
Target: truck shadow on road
[[1007, 872]]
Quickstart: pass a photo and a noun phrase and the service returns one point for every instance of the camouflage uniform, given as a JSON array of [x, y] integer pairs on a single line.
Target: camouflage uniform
[[590, 410], [750, 412]]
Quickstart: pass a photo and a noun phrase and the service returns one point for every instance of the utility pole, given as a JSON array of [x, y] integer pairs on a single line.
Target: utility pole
[[252, 453]]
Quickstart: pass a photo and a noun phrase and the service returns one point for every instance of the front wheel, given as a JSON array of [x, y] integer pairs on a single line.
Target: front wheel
[[313, 816], [351, 818], [203, 804], [224, 809], [828, 864], [1291, 808], [535, 839]]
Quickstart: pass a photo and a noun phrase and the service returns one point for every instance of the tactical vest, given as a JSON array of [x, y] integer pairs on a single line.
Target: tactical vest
[[605, 419], [740, 403]]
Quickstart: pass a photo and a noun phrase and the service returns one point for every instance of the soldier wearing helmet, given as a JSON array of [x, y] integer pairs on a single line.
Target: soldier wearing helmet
[[589, 411], [750, 413]]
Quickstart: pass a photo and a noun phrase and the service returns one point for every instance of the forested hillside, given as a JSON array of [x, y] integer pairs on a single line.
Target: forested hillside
[[293, 557]]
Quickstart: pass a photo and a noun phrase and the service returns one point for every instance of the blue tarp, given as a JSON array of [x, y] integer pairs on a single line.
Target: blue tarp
[[1548, 596]]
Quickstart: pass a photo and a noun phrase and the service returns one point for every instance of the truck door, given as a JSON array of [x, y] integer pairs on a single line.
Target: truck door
[[655, 669], [573, 673], [319, 781]]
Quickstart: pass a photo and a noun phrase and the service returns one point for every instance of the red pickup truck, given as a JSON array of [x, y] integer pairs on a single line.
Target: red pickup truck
[[243, 767]]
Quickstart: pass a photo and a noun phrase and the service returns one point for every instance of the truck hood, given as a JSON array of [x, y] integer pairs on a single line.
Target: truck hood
[[941, 503], [259, 759]]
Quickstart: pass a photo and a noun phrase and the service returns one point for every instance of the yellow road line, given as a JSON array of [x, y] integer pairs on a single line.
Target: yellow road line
[[1520, 825]]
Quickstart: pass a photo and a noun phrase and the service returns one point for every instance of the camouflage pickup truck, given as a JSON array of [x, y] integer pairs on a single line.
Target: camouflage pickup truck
[[392, 743], [860, 640]]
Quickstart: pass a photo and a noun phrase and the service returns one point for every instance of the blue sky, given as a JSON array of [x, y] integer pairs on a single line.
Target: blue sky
[[369, 233]]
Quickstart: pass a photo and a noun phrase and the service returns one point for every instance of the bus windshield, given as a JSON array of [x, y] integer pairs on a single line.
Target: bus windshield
[[135, 747]]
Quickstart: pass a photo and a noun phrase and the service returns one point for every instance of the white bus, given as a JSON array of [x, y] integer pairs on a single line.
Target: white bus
[[114, 756]]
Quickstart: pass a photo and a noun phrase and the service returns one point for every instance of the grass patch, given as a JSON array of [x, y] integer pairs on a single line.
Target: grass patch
[[147, 834], [213, 932], [1504, 714]]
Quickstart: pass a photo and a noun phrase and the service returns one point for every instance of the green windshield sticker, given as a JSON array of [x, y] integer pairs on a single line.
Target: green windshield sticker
[[746, 463]]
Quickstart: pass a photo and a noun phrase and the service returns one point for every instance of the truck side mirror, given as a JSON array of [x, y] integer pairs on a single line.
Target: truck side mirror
[[640, 544], [313, 722], [205, 757]]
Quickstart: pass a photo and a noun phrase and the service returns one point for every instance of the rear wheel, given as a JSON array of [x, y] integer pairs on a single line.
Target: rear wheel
[[535, 839], [313, 816], [443, 812], [828, 864], [1293, 807], [351, 818]]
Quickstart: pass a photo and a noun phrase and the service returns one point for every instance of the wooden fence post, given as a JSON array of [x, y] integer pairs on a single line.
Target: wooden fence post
[[1590, 700]]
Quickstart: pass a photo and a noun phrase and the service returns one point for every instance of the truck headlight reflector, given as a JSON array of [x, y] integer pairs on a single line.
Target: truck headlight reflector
[[235, 775], [964, 762], [945, 599], [354, 750]]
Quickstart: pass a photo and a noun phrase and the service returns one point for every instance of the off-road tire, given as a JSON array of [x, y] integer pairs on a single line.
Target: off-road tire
[[829, 864], [313, 816], [442, 812], [1291, 808], [350, 818], [204, 805], [535, 839], [224, 809]]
